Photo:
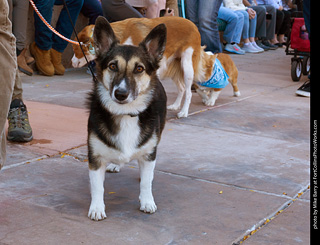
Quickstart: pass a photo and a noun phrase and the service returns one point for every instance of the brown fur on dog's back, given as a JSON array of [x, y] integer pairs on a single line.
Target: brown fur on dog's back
[[181, 34], [230, 69]]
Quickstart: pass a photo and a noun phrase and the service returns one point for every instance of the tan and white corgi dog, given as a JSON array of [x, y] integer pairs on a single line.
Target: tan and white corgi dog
[[127, 111], [184, 60]]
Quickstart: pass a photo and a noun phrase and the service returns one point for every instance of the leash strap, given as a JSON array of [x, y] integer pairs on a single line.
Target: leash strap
[[63, 37], [75, 33], [49, 26]]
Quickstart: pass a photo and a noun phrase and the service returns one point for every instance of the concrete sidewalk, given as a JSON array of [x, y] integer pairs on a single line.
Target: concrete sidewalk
[[237, 172]]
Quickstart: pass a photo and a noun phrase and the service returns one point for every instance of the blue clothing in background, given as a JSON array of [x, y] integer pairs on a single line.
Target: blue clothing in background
[[45, 39], [204, 14]]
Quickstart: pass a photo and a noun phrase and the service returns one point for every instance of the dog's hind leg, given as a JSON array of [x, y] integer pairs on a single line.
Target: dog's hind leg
[[233, 80], [187, 67], [176, 105], [147, 203], [236, 91], [97, 207]]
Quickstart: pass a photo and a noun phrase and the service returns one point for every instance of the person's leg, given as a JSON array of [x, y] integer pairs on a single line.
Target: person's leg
[[116, 10], [8, 67], [285, 27], [17, 91], [232, 33], [64, 25], [192, 7], [306, 14], [252, 34], [246, 24], [231, 18], [19, 19], [19, 22], [92, 9], [43, 35], [279, 21], [261, 21], [247, 32], [40, 49], [208, 27], [252, 28], [271, 26]]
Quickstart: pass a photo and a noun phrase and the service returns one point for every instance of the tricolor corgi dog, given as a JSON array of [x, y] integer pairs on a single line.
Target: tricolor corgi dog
[[127, 111], [184, 60]]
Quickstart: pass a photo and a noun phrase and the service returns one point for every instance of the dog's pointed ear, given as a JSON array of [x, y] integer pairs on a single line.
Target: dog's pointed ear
[[103, 35], [155, 42]]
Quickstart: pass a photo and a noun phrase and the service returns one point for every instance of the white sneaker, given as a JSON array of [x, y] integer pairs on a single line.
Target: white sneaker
[[257, 47], [248, 48], [233, 48]]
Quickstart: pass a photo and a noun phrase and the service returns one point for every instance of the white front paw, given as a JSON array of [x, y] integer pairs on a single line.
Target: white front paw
[[97, 212], [209, 102], [182, 113], [148, 206], [173, 107], [113, 168]]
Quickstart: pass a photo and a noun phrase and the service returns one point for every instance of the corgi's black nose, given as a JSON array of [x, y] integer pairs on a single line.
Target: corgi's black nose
[[121, 94]]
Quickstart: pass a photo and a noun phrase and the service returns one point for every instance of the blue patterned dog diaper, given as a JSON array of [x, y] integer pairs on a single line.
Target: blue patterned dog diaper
[[219, 78]]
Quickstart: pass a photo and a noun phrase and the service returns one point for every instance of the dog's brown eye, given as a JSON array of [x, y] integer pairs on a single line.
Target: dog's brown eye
[[139, 69], [113, 67]]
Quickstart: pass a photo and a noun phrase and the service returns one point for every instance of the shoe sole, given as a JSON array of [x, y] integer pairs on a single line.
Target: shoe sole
[[303, 93], [25, 71], [234, 52], [19, 138], [254, 52]]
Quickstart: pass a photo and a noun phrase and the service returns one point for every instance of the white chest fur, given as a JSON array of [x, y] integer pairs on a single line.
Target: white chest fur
[[126, 141], [128, 137]]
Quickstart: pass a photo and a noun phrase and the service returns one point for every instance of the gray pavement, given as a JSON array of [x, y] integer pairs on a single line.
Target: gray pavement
[[234, 173]]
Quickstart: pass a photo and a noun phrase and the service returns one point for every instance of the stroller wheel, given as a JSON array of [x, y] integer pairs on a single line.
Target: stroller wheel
[[305, 65], [296, 70]]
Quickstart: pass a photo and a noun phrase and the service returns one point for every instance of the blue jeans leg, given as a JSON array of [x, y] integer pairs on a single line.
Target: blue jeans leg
[[43, 35], [204, 14], [245, 29], [252, 26], [233, 30], [249, 26], [64, 26], [92, 9]]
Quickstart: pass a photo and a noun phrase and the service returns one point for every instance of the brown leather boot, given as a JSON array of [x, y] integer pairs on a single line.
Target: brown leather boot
[[43, 60], [29, 59], [56, 61], [22, 63]]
